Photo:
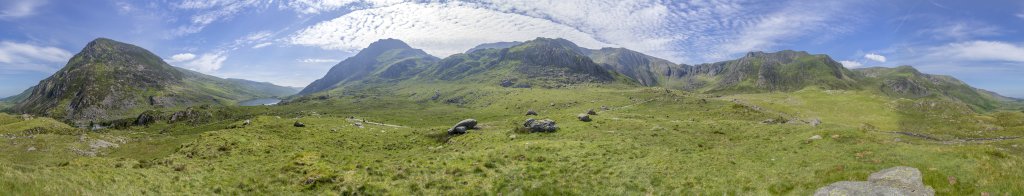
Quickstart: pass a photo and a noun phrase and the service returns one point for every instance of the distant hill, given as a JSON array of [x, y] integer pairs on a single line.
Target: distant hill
[[109, 79], [386, 59]]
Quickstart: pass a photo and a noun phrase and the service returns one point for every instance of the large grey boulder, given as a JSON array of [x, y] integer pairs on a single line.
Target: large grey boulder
[[900, 180], [546, 125], [462, 127]]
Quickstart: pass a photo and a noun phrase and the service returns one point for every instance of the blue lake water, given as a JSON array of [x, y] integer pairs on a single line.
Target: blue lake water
[[260, 101]]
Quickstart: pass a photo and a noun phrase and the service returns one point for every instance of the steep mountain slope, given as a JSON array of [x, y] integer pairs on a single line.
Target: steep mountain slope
[[110, 79], [384, 59], [647, 70], [907, 82], [764, 72], [495, 45], [541, 62]]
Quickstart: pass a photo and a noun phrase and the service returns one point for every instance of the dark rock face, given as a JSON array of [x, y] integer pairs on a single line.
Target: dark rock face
[[584, 117], [145, 118], [534, 126], [899, 180]]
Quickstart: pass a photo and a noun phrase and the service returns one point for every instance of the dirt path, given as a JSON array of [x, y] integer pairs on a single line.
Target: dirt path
[[355, 120]]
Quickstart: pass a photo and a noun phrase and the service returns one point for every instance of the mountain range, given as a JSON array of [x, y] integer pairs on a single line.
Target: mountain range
[[553, 63], [110, 80]]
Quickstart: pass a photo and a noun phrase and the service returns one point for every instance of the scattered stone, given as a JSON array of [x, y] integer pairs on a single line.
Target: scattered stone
[[531, 112], [605, 108], [591, 112], [31, 148], [769, 121], [513, 136], [299, 124], [836, 136], [900, 180], [546, 125], [815, 122], [464, 125], [552, 104], [815, 137], [98, 144], [584, 117], [247, 122], [897, 140], [360, 125]]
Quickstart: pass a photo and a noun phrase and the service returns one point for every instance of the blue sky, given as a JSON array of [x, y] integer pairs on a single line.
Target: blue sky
[[295, 42]]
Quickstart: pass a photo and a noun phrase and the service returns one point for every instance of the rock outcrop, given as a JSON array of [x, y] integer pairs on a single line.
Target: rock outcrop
[[900, 180]]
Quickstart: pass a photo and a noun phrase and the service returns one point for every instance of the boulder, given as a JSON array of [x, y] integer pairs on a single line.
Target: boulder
[[815, 122], [815, 137], [462, 127], [900, 180], [583, 117], [546, 125], [247, 122], [531, 112], [299, 124], [591, 112], [457, 130]]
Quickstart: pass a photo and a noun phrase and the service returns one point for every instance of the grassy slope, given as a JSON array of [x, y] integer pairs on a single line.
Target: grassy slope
[[652, 141]]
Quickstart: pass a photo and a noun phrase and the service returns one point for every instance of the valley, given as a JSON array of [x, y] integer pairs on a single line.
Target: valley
[[785, 123]]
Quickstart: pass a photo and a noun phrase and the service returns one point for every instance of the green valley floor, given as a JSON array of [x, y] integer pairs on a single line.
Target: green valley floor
[[645, 141]]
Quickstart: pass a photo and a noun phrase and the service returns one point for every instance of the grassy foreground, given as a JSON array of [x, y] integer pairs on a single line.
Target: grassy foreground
[[650, 141]]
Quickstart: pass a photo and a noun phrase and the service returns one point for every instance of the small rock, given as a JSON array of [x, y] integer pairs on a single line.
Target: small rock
[[546, 125], [815, 122], [360, 125], [31, 148], [835, 136], [513, 136], [815, 137], [583, 117], [531, 112], [299, 124], [605, 108], [591, 112], [768, 121], [897, 140], [437, 95], [247, 122], [552, 104]]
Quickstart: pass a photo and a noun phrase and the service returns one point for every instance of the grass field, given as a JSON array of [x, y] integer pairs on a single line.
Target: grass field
[[650, 141]]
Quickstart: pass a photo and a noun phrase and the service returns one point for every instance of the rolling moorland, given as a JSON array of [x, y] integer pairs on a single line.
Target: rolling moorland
[[119, 120]]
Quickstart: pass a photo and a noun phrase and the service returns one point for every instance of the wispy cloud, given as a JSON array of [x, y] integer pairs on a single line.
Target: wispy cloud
[[440, 29], [18, 9], [28, 57], [210, 11], [313, 60], [678, 31], [961, 30], [181, 57]]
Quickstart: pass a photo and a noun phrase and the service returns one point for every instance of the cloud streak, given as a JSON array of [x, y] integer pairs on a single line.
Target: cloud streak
[[27, 57], [19, 8]]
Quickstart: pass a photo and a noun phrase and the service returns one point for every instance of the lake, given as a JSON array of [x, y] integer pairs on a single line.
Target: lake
[[260, 101]]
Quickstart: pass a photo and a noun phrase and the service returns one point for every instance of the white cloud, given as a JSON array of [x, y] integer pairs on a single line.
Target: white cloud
[[28, 57], [1020, 15], [311, 60], [205, 63], [875, 57], [439, 29], [851, 64], [19, 8], [261, 45], [210, 11], [181, 57], [980, 51]]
